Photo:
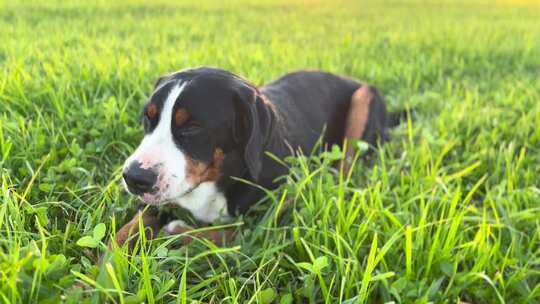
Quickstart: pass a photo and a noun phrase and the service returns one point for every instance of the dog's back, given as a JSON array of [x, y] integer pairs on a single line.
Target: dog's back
[[312, 101]]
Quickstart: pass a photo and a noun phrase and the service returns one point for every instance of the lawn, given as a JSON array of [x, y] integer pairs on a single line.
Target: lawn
[[448, 211]]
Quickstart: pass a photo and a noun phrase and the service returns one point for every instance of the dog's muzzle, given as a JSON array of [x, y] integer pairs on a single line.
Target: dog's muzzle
[[140, 180]]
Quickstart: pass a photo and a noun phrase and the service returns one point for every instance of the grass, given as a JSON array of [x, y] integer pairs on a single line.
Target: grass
[[448, 211]]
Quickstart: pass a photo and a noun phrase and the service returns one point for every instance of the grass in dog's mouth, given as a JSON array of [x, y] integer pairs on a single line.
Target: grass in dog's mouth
[[447, 211]]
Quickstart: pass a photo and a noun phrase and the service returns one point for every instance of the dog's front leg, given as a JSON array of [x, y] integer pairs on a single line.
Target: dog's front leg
[[217, 236], [150, 221]]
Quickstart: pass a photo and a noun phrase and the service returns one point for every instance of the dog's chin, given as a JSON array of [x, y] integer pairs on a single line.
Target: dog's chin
[[156, 199], [153, 199]]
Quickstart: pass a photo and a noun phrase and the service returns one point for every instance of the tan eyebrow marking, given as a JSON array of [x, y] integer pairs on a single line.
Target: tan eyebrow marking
[[151, 111], [180, 117]]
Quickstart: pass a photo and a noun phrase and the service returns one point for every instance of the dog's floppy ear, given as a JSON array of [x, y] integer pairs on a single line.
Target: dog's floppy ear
[[253, 119]]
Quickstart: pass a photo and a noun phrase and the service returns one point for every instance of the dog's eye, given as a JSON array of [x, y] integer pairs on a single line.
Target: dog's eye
[[151, 111], [191, 128]]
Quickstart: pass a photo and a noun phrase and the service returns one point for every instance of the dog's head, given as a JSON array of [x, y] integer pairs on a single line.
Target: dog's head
[[201, 126]]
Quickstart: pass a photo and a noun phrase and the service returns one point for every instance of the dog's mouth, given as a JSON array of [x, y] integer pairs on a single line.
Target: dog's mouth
[[152, 198], [155, 196]]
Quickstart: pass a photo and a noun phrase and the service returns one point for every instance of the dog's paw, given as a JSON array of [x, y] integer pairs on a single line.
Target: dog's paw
[[176, 227]]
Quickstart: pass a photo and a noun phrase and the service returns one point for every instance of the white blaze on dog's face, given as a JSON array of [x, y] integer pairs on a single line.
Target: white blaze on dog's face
[[160, 172], [158, 152]]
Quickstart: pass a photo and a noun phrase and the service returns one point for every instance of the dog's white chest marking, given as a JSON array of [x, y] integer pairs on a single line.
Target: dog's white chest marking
[[206, 203]]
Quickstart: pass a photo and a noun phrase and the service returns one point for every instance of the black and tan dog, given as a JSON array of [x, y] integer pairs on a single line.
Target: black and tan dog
[[206, 125]]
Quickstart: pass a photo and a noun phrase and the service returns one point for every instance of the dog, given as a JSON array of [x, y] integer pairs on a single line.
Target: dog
[[205, 126]]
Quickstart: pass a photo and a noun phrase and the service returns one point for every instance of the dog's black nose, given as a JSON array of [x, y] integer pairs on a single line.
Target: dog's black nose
[[139, 180]]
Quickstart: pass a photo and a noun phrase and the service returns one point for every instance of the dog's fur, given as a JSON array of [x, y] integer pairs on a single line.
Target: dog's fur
[[204, 126]]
